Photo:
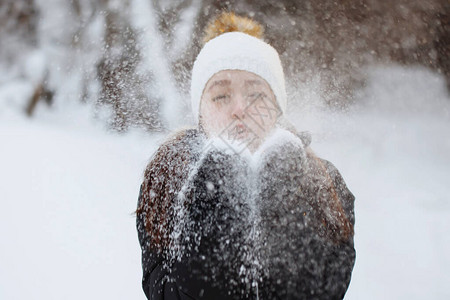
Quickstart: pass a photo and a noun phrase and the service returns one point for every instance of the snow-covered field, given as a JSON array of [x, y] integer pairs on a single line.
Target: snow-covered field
[[68, 190]]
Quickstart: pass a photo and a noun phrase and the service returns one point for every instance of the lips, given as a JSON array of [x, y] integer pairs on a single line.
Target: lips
[[240, 128], [241, 131]]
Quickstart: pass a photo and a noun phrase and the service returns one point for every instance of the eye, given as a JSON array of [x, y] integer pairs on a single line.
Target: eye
[[221, 98], [256, 95]]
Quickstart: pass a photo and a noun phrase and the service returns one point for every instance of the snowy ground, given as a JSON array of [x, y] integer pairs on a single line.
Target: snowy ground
[[68, 189]]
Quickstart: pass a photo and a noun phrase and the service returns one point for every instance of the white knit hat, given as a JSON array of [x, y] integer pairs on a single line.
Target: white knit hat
[[237, 51]]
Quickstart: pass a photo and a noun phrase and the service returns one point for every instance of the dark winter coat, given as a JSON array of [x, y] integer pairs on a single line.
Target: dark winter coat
[[209, 228]]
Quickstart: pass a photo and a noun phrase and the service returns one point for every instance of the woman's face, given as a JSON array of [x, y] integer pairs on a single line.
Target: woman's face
[[238, 105]]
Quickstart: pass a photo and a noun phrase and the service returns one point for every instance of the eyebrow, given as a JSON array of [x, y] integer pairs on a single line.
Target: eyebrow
[[219, 82], [253, 82]]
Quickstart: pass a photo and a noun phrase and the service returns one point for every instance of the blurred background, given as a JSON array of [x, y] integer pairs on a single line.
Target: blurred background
[[90, 88]]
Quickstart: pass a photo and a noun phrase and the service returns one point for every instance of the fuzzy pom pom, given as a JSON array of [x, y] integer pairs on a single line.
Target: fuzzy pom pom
[[229, 22]]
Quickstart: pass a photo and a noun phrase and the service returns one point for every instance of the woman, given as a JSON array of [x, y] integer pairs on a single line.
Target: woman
[[240, 207]]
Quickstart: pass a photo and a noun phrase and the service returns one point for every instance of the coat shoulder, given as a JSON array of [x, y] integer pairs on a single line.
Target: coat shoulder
[[179, 146], [178, 141]]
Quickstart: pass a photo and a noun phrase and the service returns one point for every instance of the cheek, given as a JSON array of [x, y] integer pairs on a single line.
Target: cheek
[[262, 119], [214, 119]]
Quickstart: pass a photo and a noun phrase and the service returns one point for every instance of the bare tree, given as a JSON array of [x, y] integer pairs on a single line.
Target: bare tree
[[336, 40], [139, 66], [122, 87]]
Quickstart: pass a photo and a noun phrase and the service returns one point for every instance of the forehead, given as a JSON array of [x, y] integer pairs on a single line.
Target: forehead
[[233, 77]]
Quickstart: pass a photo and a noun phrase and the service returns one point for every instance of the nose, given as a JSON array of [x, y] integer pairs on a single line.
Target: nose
[[238, 109]]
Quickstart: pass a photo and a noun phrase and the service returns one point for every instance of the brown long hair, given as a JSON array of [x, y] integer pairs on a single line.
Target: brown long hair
[[328, 205], [163, 179]]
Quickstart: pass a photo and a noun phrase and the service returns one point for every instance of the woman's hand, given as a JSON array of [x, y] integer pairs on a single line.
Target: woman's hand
[[298, 256], [218, 222]]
